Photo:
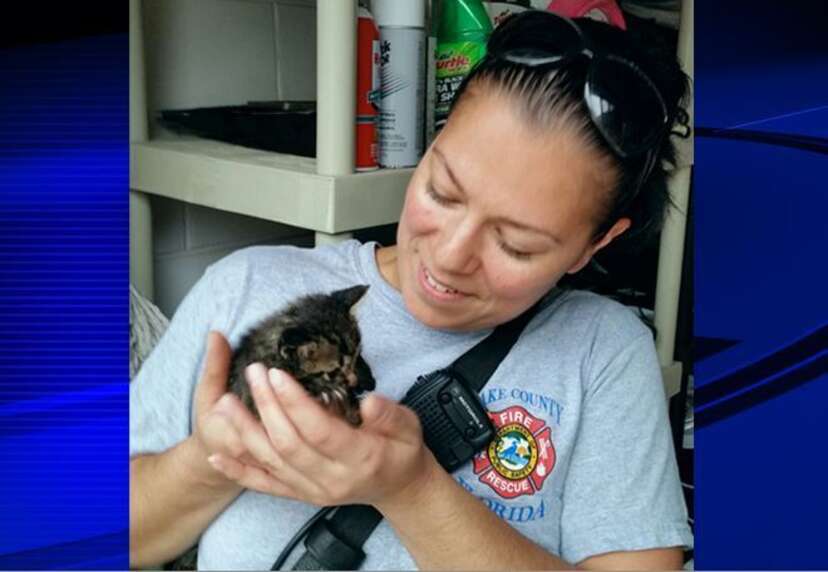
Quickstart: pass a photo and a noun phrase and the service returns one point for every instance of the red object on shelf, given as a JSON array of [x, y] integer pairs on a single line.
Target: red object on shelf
[[368, 89], [601, 10]]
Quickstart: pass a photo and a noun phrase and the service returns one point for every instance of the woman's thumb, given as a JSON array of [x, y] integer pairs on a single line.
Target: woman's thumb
[[389, 418], [213, 382]]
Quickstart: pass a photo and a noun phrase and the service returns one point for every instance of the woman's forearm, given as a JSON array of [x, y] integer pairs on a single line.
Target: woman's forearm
[[173, 497], [444, 527]]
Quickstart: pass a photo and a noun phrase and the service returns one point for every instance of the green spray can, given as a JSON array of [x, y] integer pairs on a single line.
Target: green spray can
[[462, 29]]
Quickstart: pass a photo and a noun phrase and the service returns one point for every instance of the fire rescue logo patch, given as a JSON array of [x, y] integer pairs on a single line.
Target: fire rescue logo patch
[[520, 457]]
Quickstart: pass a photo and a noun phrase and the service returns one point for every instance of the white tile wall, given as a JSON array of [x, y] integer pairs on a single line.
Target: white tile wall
[[201, 53], [188, 238], [176, 273], [295, 25], [207, 227], [208, 52], [168, 232]]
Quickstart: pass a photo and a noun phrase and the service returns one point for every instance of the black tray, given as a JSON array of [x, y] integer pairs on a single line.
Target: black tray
[[281, 126]]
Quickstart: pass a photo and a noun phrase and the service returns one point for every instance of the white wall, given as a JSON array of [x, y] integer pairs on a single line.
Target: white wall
[[201, 53], [189, 238]]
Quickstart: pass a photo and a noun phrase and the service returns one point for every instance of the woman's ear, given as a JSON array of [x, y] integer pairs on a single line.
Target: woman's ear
[[620, 226]]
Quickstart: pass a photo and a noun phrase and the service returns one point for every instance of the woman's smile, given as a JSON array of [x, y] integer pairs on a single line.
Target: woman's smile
[[437, 290]]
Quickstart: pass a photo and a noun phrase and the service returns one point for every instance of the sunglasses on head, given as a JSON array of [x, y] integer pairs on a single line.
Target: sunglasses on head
[[624, 104]]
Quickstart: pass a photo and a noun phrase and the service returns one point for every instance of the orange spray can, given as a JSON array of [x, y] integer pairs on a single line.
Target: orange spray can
[[368, 90]]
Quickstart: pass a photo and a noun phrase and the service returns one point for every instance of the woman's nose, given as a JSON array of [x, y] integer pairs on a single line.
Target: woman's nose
[[456, 250]]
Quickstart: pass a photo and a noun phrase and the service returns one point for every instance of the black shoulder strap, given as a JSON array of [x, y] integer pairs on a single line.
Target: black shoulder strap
[[336, 543], [477, 365]]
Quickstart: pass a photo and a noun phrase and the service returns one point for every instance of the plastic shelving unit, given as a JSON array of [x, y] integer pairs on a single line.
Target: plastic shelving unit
[[322, 194]]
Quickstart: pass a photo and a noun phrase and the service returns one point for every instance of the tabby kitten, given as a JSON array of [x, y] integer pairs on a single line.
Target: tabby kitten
[[316, 339]]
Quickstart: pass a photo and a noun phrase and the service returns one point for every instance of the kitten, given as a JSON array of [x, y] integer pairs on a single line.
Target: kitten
[[316, 339]]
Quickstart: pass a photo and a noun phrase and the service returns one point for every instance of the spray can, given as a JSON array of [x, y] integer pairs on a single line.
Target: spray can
[[499, 10], [368, 90], [462, 31], [401, 26]]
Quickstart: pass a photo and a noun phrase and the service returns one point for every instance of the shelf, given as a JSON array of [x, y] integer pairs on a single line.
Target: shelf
[[271, 186]]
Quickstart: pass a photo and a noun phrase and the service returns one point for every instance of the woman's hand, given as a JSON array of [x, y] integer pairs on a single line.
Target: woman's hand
[[215, 409], [302, 451]]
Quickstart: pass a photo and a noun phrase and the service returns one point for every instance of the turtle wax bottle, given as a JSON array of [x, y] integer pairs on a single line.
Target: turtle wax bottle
[[463, 27], [402, 76]]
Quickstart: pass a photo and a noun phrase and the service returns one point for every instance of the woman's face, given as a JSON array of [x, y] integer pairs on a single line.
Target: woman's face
[[495, 213]]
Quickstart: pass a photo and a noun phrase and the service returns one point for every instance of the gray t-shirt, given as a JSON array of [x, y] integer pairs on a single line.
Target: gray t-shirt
[[583, 462]]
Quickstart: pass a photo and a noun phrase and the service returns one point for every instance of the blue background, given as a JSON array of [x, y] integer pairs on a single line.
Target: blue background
[[64, 271], [760, 204], [760, 199]]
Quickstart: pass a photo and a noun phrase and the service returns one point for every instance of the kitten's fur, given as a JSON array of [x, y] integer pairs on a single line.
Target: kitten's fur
[[316, 339]]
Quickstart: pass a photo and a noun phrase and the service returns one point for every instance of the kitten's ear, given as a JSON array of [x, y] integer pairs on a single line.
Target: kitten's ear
[[350, 296]]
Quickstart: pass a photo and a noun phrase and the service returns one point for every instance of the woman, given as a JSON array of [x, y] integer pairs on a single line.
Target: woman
[[552, 151]]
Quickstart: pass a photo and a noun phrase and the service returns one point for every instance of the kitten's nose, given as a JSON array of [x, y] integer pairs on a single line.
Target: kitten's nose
[[352, 378]]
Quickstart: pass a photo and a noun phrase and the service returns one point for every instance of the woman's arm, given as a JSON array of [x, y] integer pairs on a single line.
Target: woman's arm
[[304, 452], [444, 527], [176, 421], [173, 497]]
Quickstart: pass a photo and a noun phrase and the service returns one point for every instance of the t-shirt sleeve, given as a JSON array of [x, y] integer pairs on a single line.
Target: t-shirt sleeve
[[622, 490], [161, 395]]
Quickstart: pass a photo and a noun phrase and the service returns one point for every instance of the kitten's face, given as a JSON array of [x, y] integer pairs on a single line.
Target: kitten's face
[[333, 361], [327, 351]]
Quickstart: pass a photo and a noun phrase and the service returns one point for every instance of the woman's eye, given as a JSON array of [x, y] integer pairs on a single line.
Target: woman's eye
[[437, 198], [518, 254]]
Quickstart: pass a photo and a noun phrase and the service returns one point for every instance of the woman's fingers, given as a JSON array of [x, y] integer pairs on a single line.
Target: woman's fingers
[[218, 429], [248, 476], [304, 451], [325, 432], [213, 382], [281, 431], [390, 419], [277, 441], [252, 450], [291, 424]]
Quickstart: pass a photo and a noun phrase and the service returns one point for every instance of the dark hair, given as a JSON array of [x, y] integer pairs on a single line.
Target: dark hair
[[546, 95]]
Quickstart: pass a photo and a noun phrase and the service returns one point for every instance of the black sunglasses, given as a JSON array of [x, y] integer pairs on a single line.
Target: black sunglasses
[[624, 104]]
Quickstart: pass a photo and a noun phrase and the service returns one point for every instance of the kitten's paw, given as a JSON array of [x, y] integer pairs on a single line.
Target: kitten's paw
[[339, 401]]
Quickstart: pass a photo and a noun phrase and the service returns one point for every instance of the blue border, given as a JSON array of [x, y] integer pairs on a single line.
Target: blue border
[[760, 281], [760, 284], [64, 271]]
